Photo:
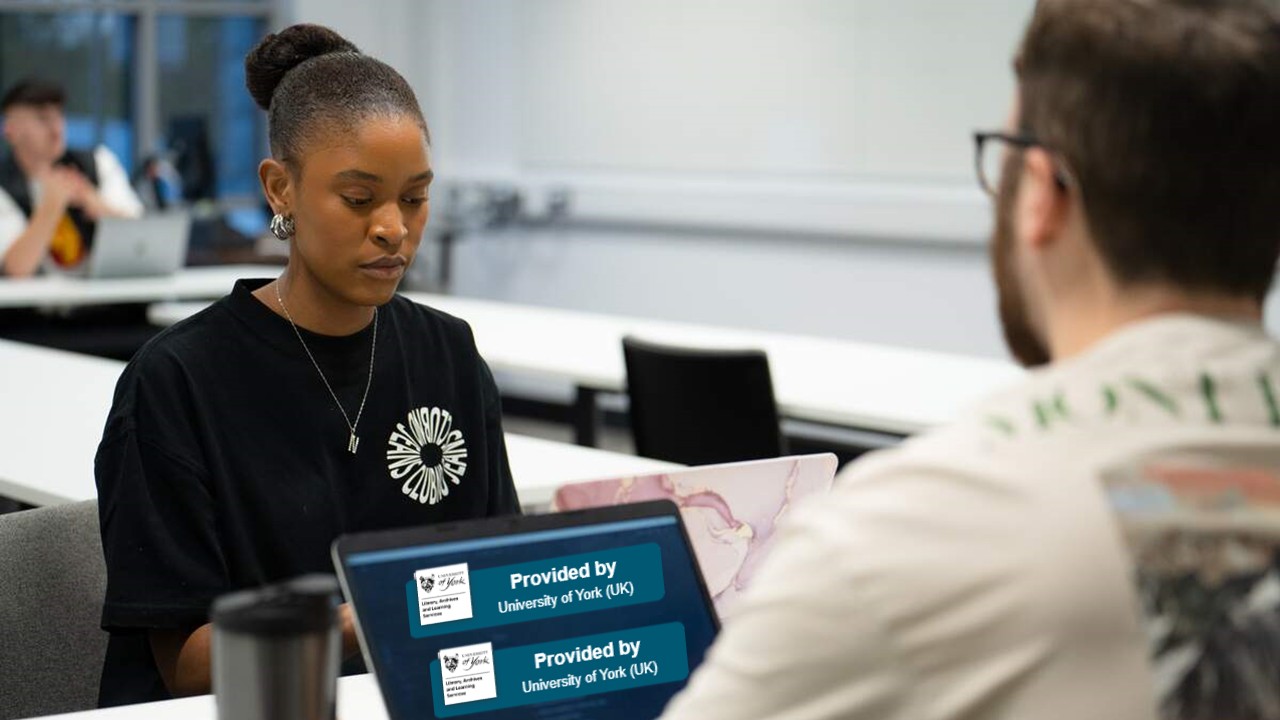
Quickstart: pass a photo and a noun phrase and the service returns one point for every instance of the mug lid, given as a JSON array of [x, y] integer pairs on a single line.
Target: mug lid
[[305, 604]]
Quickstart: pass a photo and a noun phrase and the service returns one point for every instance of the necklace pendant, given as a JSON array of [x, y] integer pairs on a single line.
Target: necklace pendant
[[353, 443]]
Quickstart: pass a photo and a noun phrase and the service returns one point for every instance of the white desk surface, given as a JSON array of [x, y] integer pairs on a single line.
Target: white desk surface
[[54, 404], [358, 699], [197, 283], [860, 385], [872, 387]]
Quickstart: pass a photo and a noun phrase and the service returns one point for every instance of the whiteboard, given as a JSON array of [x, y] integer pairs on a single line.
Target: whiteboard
[[831, 90]]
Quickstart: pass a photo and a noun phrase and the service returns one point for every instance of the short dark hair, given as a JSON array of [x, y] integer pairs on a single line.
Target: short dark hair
[[308, 76], [1167, 114], [33, 92]]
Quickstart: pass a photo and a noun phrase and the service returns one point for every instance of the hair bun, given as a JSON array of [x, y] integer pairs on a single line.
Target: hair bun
[[278, 53]]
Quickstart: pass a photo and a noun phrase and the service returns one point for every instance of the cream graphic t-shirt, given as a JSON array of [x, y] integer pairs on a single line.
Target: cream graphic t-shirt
[[1098, 542]]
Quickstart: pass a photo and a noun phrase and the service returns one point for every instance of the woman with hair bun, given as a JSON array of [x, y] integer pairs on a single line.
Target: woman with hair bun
[[243, 440]]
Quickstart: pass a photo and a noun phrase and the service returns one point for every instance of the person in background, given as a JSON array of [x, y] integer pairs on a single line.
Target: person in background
[[1099, 541], [51, 197]]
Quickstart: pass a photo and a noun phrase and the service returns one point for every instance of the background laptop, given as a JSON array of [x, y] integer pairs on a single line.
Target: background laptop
[[599, 613], [154, 245], [731, 512]]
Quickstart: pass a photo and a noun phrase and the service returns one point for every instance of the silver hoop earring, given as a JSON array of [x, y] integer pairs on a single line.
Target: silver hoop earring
[[282, 226]]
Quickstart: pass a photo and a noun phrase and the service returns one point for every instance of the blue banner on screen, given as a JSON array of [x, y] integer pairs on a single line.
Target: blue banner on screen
[[602, 620], [577, 667], [566, 585]]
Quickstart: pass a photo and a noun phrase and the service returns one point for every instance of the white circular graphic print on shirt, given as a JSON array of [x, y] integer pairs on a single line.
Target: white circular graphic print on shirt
[[427, 454]]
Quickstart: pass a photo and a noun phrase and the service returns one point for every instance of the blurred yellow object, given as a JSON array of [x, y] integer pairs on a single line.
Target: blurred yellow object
[[67, 246]]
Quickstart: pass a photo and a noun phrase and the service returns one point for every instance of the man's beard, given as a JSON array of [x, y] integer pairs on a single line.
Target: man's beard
[[1019, 335]]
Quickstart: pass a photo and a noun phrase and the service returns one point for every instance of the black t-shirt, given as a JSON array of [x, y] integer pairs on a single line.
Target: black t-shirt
[[224, 463]]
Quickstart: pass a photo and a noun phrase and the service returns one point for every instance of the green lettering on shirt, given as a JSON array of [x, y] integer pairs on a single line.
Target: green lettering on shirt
[[1002, 425], [1269, 395], [1155, 394], [1111, 398], [1047, 412], [1210, 392]]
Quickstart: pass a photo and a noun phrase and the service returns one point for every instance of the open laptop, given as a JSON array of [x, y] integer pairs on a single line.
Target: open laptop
[[598, 613], [155, 245], [730, 511]]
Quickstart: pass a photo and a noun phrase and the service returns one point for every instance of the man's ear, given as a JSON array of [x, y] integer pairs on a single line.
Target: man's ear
[[1043, 203], [277, 185]]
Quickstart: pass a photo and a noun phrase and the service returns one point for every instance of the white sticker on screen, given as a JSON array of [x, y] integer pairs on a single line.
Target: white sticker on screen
[[466, 674], [444, 594]]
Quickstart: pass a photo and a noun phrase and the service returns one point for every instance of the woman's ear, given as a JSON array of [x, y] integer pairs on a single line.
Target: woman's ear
[[277, 185]]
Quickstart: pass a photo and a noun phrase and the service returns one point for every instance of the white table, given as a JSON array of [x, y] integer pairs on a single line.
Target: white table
[[358, 699], [197, 283], [54, 404], [835, 382]]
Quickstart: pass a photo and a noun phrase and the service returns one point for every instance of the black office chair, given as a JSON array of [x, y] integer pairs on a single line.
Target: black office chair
[[194, 161], [698, 407]]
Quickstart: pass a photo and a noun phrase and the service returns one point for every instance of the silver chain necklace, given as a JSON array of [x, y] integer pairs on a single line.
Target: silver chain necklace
[[354, 441]]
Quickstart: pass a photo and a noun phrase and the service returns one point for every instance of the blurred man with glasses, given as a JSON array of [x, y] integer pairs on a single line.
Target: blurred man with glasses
[[1099, 541], [50, 197]]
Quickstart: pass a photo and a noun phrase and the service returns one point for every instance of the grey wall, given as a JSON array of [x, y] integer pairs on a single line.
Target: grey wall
[[890, 292], [465, 56]]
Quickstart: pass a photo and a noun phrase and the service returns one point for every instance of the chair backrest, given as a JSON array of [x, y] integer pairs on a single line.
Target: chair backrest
[[697, 407], [52, 580]]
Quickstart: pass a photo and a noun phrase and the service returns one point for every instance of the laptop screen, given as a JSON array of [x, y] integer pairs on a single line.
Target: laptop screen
[[599, 618]]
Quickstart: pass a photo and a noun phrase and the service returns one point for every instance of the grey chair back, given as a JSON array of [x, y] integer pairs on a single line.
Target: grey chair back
[[52, 580]]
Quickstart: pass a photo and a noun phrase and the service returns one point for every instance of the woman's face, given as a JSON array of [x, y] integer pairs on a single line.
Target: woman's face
[[360, 205]]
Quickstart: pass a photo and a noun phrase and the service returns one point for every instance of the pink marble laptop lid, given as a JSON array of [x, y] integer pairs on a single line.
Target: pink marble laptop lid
[[731, 511]]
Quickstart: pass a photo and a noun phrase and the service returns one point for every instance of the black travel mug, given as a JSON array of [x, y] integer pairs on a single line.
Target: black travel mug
[[277, 650]]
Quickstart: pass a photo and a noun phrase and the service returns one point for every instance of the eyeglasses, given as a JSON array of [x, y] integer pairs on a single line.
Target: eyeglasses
[[990, 164]]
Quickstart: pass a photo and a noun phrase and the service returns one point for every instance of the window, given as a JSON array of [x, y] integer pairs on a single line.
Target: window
[[207, 118], [151, 79], [92, 55]]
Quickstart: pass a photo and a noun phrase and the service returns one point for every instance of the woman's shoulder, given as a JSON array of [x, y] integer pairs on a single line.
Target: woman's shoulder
[[421, 317], [160, 379], [187, 342]]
